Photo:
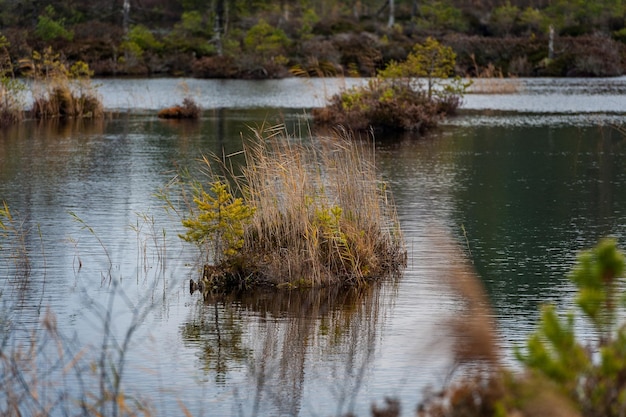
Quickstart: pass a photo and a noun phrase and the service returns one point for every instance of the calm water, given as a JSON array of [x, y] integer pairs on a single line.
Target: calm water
[[518, 191]]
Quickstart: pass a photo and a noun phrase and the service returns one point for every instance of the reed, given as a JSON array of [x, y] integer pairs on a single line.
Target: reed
[[11, 89], [14, 235], [59, 90], [44, 372], [320, 214], [48, 374]]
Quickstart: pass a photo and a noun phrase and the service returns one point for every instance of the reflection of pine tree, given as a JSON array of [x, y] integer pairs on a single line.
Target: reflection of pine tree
[[281, 338], [218, 332]]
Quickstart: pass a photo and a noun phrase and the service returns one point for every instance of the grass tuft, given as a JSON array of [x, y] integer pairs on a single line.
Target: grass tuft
[[60, 91], [321, 215]]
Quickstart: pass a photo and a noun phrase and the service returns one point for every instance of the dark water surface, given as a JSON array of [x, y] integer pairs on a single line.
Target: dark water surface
[[518, 192]]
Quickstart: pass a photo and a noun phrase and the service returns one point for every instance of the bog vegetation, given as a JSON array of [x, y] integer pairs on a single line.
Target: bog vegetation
[[414, 94], [266, 39], [297, 215], [57, 89], [60, 90], [188, 109], [567, 372]]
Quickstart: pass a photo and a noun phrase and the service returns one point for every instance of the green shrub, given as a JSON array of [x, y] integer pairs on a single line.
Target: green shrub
[[503, 19], [190, 35], [139, 40], [144, 38], [533, 21], [265, 40], [439, 15], [192, 23], [590, 370], [49, 29], [431, 61]]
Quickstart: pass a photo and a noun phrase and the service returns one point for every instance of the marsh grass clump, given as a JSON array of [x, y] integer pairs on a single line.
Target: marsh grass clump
[[322, 213], [189, 109], [11, 99], [60, 91], [11, 89], [307, 214], [491, 80]]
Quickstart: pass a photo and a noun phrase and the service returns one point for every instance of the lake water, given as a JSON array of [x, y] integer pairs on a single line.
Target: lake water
[[514, 187]]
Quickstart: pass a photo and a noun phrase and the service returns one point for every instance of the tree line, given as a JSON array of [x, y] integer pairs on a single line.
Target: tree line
[[262, 38]]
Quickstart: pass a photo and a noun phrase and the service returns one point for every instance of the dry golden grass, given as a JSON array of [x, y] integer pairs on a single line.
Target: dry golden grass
[[323, 216], [59, 90], [495, 86]]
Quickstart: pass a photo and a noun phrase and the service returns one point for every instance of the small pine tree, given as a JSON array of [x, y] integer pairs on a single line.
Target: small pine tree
[[593, 375], [219, 224]]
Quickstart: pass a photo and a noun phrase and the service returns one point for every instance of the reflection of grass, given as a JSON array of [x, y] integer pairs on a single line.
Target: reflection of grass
[[13, 234], [295, 329], [45, 372], [219, 333]]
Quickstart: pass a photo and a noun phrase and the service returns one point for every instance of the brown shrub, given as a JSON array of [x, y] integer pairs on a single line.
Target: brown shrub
[[188, 110]]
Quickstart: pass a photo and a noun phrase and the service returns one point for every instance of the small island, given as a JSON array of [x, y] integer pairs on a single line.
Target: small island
[[305, 215]]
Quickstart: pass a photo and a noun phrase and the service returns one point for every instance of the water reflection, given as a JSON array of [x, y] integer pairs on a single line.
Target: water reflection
[[518, 197], [533, 197], [285, 339]]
